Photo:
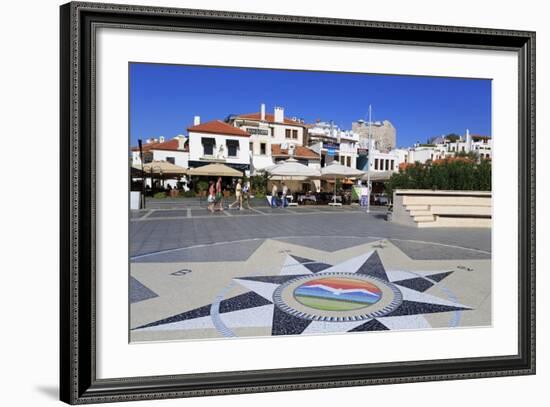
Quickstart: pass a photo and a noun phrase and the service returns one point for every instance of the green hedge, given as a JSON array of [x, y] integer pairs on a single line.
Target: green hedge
[[160, 195], [452, 174]]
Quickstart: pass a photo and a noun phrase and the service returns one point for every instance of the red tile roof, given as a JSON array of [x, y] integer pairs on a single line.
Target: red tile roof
[[171, 145], [299, 152], [218, 127], [269, 118]]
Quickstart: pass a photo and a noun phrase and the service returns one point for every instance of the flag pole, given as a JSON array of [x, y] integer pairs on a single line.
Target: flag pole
[[369, 159]]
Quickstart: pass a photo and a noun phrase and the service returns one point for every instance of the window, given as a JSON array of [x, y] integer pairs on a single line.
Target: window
[[232, 148], [287, 133], [147, 157], [294, 134], [252, 147], [376, 163], [171, 160], [462, 148], [262, 148], [342, 160], [349, 161], [392, 165], [387, 165], [208, 146]]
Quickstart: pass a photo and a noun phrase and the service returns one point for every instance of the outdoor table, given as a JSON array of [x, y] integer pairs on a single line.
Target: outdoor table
[[336, 200], [291, 200], [307, 197]]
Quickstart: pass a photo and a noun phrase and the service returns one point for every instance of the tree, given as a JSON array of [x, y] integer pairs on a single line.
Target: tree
[[258, 183], [470, 155], [452, 137]]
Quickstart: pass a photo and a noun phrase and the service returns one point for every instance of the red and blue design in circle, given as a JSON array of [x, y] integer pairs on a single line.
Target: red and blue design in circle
[[337, 294]]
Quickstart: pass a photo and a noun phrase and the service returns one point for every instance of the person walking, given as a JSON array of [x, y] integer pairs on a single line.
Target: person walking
[[284, 203], [238, 196], [219, 195], [364, 195], [246, 194], [211, 196], [274, 196]]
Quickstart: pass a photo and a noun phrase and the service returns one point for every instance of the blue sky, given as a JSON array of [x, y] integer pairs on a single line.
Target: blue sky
[[164, 99]]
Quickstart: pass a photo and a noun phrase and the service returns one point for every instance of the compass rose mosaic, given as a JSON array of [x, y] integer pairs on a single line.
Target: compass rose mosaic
[[311, 296], [337, 294]]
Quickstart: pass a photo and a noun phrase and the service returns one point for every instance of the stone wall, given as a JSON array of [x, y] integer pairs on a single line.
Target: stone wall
[[427, 208]]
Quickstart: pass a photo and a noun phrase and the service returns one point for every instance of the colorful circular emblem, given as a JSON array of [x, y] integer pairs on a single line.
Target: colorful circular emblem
[[337, 297], [337, 294]]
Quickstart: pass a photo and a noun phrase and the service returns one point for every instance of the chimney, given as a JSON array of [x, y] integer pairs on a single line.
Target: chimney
[[468, 139], [291, 149], [181, 141], [196, 120], [279, 114], [262, 111]]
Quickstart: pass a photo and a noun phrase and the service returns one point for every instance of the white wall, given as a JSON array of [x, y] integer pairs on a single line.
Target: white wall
[[181, 158], [279, 134], [29, 83], [196, 150]]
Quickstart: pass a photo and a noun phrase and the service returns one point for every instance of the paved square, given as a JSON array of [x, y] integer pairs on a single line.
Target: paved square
[[301, 271]]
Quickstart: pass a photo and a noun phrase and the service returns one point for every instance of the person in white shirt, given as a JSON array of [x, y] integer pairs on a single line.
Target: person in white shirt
[[274, 197], [238, 196], [283, 198], [364, 195]]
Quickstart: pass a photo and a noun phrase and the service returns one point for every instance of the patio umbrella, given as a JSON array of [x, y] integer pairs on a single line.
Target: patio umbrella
[[136, 172], [335, 171], [164, 167], [378, 175], [215, 170], [293, 170]]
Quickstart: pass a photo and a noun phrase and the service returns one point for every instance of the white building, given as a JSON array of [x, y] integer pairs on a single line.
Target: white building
[[218, 142], [383, 132], [175, 151], [380, 161], [304, 155], [333, 144], [267, 130], [443, 148]]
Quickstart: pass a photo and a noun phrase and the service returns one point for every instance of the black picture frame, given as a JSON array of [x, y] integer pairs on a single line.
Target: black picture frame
[[78, 381]]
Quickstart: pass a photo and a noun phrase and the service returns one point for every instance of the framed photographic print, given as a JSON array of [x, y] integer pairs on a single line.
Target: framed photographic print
[[255, 203]]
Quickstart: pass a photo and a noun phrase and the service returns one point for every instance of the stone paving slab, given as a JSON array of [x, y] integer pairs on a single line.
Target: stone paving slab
[[138, 292], [167, 213], [186, 304], [238, 251], [204, 212], [167, 233], [274, 211]]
